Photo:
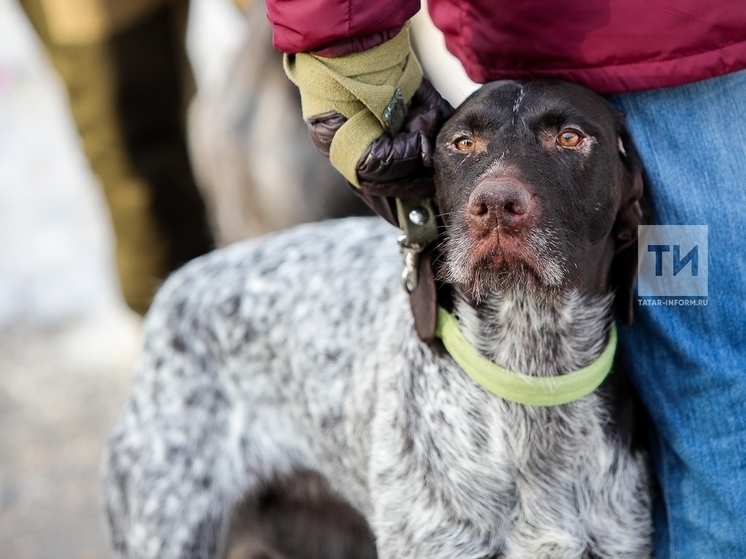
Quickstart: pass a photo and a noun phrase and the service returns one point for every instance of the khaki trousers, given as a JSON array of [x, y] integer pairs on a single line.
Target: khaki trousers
[[128, 81]]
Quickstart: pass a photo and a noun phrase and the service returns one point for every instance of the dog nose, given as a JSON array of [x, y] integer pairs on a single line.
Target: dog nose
[[499, 203]]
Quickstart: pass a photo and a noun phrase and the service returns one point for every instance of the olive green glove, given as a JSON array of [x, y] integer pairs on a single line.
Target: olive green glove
[[373, 115]]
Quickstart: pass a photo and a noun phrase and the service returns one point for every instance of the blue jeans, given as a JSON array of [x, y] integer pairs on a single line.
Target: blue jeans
[[689, 363]]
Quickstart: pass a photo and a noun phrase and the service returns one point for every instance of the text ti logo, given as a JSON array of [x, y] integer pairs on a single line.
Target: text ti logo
[[672, 261]]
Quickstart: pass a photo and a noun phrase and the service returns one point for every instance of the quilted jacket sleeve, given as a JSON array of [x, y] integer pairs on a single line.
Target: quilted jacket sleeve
[[336, 27]]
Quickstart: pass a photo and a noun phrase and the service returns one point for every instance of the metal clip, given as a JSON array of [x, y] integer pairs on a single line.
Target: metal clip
[[411, 253], [417, 221]]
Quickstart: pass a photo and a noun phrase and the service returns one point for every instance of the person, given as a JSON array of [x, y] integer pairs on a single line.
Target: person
[[129, 83], [679, 74]]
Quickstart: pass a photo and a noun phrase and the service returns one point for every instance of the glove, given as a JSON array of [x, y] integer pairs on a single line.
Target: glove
[[397, 166], [374, 116]]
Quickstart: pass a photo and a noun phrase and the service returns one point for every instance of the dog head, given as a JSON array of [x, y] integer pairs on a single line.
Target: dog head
[[539, 187]]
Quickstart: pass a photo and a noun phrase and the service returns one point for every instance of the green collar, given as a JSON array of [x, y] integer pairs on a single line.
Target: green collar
[[519, 388]]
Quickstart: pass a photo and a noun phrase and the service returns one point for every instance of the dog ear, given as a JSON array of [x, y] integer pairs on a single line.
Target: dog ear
[[631, 214]]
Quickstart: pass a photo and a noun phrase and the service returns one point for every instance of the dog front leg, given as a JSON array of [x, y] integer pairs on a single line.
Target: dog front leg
[[413, 517], [415, 530]]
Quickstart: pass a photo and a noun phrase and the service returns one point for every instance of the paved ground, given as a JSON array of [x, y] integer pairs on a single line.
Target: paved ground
[[59, 394], [67, 343]]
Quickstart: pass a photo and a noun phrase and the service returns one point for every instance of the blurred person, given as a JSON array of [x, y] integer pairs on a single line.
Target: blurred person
[[128, 80], [249, 145], [678, 72]]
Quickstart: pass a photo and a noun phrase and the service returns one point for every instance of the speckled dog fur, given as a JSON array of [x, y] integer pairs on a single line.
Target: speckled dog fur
[[296, 353]]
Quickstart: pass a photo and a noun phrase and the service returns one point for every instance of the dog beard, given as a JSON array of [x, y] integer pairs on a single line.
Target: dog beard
[[502, 271]]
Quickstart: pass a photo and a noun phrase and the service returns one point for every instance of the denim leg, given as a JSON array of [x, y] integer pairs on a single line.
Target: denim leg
[[689, 363]]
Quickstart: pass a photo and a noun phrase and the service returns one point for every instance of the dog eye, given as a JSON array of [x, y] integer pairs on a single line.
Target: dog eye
[[465, 144], [570, 138]]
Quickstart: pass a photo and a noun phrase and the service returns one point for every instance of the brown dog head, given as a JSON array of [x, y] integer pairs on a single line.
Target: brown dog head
[[539, 186]]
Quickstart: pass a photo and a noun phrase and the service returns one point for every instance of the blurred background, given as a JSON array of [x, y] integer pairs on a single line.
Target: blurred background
[[132, 138], [67, 338]]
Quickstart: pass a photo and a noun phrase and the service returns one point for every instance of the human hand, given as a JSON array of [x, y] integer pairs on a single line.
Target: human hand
[[397, 166], [373, 115]]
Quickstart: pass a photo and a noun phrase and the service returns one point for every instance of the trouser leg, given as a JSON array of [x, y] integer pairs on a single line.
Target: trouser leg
[[128, 92], [689, 362]]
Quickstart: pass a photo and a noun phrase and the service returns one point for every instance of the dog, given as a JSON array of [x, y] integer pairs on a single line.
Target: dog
[[284, 406]]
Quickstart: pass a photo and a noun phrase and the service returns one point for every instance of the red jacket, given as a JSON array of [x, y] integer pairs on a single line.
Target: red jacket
[[610, 46]]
